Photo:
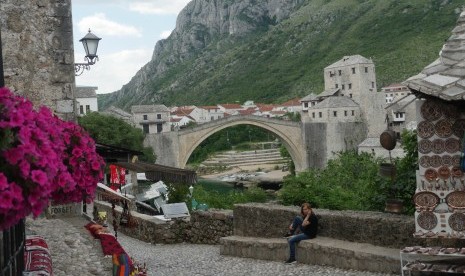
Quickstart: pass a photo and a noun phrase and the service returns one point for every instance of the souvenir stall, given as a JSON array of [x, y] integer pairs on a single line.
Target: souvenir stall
[[440, 193]]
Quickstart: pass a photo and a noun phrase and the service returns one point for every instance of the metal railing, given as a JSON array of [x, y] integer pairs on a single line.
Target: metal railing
[[12, 243]]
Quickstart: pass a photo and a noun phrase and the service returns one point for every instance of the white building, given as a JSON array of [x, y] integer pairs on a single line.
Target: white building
[[86, 97], [213, 112], [394, 92]]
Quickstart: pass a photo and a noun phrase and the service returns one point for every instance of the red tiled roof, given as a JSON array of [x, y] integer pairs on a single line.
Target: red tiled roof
[[209, 107], [293, 102], [182, 111], [248, 111], [231, 106]]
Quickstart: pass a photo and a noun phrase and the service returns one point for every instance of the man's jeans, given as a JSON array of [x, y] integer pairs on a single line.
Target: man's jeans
[[296, 224]]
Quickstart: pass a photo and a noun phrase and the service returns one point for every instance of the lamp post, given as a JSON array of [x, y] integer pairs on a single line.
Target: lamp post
[[191, 190], [90, 43]]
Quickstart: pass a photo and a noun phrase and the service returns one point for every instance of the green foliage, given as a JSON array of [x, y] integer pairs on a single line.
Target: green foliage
[[218, 200], [347, 183], [283, 60], [109, 130], [178, 192], [224, 140]]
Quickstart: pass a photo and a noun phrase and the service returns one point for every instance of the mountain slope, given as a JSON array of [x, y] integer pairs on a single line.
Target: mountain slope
[[271, 51]]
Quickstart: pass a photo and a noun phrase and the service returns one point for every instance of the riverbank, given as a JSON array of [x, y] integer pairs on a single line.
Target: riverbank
[[256, 173]]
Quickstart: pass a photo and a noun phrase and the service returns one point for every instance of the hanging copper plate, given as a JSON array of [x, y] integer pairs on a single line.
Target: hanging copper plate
[[444, 172], [456, 171], [452, 145], [424, 161], [427, 220], [431, 174], [456, 160], [456, 199], [425, 129], [457, 221], [443, 128], [438, 146], [431, 110], [426, 200], [447, 160], [425, 146], [435, 161], [458, 128]]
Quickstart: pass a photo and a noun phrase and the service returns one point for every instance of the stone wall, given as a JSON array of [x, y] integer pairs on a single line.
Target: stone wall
[[38, 54], [271, 221], [202, 227]]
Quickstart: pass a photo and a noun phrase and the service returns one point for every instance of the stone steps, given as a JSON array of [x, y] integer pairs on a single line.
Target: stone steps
[[318, 251], [269, 156]]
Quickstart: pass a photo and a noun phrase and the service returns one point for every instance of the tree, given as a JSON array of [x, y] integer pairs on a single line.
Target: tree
[[109, 130]]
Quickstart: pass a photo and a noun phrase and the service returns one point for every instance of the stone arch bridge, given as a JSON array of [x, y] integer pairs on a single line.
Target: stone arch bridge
[[305, 142]]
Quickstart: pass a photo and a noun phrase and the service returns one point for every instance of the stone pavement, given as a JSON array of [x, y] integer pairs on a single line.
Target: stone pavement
[[75, 252]]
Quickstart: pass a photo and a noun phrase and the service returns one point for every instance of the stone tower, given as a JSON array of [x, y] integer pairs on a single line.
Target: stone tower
[[355, 77]]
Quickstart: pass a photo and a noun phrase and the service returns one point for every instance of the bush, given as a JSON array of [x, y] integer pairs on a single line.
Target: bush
[[215, 199]]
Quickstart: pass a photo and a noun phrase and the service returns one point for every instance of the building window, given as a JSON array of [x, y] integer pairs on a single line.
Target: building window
[[350, 85], [212, 118], [366, 69], [81, 109], [313, 114], [350, 95], [353, 112], [339, 72], [145, 128], [343, 87], [320, 114], [353, 70], [372, 84], [159, 128], [145, 117], [158, 116], [337, 85], [345, 113], [306, 105], [87, 109], [335, 113]]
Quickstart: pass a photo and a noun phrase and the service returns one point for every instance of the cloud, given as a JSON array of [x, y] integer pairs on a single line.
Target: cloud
[[101, 26], [114, 70], [165, 34], [159, 6]]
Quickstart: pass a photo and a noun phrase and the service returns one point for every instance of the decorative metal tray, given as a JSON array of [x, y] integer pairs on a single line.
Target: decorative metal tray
[[456, 200], [431, 174], [456, 171], [447, 160], [428, 200], [435, 161], [424, 161], [427, 220], [425, 129], [443, 128], [444, 172], [425, 146], [431, 110], [438, 146], [452, 145], [457, 221]]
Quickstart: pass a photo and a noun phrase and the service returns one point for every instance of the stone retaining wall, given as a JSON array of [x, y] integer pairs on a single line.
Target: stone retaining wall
[[271, 221], [202, 227]]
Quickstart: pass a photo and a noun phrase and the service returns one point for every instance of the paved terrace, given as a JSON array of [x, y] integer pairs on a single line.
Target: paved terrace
[[75, 252]]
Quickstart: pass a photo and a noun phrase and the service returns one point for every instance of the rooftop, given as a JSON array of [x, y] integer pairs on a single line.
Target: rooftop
[[149, 108], [445, 77], [335, 102], [350, 60]]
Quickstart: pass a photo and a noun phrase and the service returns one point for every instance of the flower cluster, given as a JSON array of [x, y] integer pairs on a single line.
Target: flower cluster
[[42, 158]]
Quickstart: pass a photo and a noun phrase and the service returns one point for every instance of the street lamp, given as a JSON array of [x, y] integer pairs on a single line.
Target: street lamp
[[90, 43]]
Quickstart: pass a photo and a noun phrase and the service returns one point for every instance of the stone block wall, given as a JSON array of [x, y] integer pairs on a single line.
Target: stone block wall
[[202, 227], [377, 228], [38, 53], [271, 221]]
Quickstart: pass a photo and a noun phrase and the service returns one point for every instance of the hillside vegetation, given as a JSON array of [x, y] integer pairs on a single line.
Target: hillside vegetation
[[283, 60]]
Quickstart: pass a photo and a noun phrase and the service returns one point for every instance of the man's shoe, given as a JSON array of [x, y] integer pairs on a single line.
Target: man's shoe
[[290, 261]]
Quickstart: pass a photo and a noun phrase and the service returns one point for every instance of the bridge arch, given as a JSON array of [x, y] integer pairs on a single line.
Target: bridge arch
[[289, 133]]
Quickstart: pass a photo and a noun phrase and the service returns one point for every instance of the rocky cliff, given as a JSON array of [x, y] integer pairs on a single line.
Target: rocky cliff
[[199, 24], [273, 50]]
